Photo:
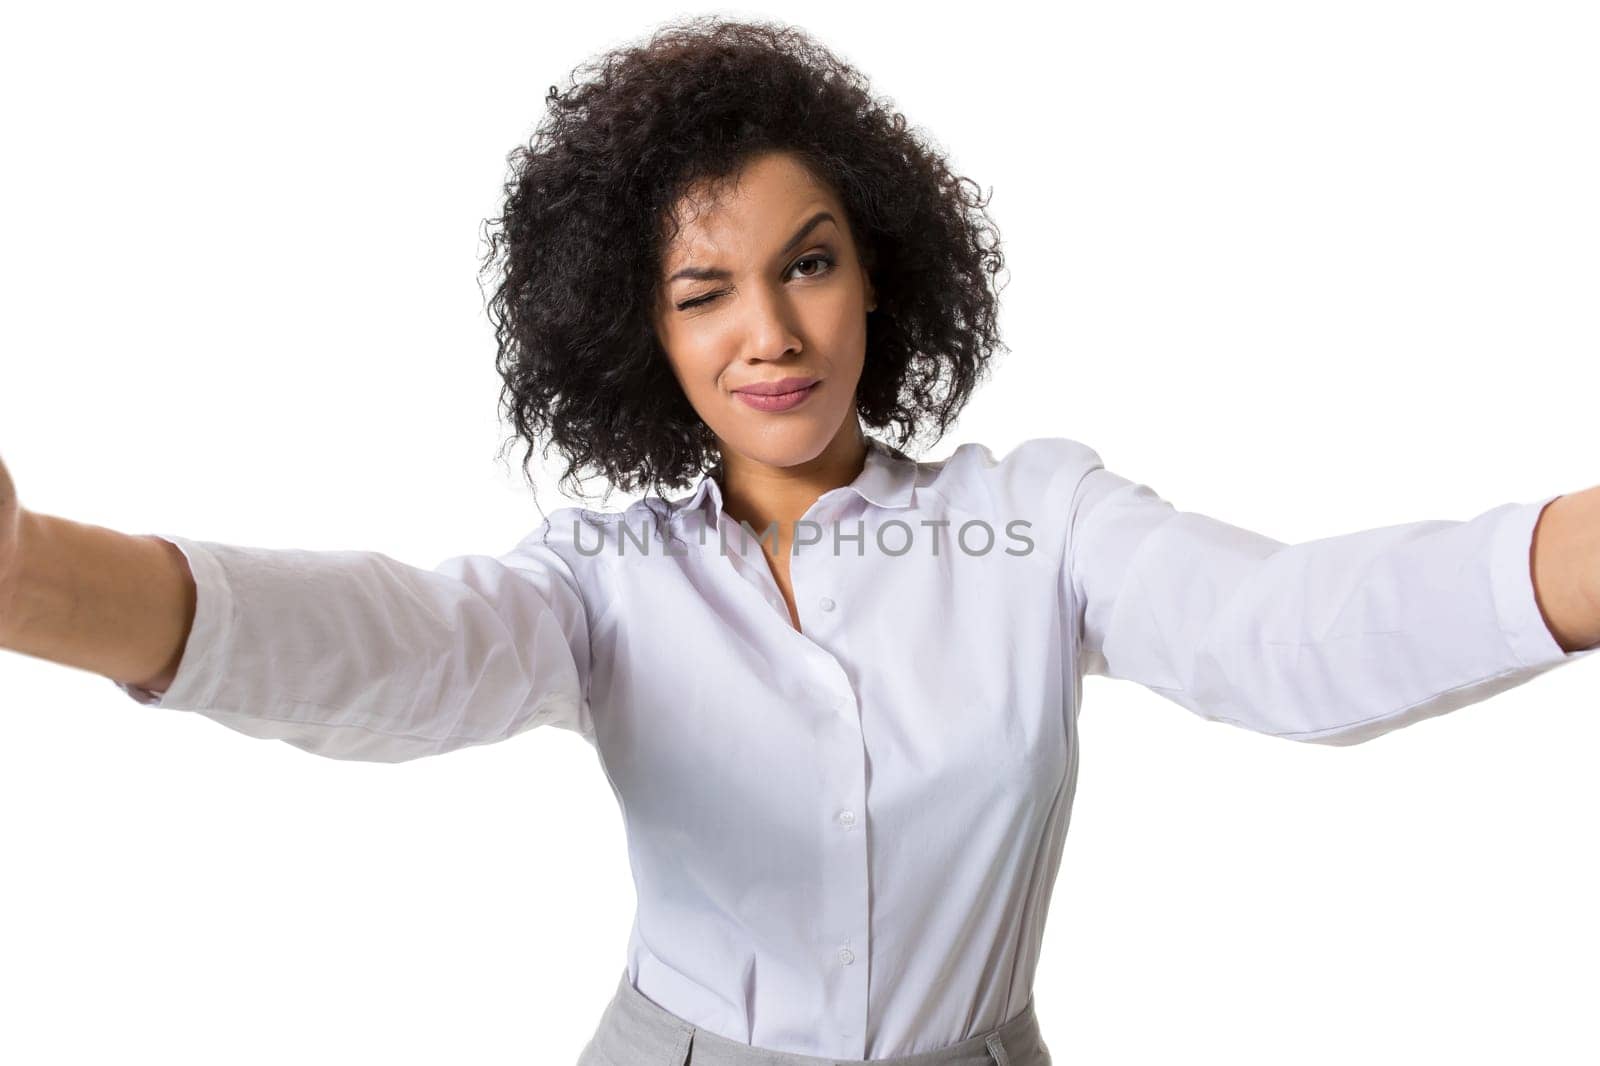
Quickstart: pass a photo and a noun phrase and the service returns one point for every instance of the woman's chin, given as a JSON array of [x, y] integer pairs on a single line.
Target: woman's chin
[[794, 441]]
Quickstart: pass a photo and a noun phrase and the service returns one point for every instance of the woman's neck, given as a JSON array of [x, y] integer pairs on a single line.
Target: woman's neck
[[765, 495]]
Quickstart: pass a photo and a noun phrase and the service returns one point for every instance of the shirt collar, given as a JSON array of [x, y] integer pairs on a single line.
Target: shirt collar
[[887, 479]]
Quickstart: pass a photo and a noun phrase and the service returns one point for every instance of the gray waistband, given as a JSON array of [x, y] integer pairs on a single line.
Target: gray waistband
[[636, 1031]]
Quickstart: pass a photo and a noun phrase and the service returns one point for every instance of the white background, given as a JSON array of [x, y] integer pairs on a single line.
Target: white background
[[1308, 268]]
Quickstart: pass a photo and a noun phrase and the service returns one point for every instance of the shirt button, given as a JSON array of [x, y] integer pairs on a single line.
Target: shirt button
[[847, 818], [825, 603], [846, 956]]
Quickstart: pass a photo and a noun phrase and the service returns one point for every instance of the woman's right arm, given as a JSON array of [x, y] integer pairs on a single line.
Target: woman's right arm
[[345, 654]]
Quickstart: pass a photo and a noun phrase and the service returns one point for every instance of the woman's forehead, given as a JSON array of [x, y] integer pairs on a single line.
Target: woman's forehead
[[770, 189], [748, 221]]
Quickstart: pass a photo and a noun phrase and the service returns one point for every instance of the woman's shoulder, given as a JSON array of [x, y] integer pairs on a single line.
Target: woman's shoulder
[[576, 529], [1019, 476]]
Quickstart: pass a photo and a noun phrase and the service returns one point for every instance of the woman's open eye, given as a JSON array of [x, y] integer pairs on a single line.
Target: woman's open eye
[[822, 258]]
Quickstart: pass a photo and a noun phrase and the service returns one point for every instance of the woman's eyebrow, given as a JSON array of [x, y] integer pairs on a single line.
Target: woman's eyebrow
[[707, 273]]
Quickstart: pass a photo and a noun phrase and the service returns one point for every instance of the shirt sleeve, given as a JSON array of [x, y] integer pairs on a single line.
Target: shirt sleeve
[[354, 655], [1335, 641]]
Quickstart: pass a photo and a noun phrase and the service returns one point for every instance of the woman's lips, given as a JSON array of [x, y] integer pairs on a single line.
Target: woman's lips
[[782, 401]]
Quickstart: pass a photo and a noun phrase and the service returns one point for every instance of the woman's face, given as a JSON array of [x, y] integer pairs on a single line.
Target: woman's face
[[774, 290]]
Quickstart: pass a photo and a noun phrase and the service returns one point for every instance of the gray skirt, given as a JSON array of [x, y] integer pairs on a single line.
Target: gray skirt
[[636, 1031]]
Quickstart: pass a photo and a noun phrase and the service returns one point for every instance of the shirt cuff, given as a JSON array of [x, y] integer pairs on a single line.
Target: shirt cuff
[[1520, 618], [199, 671]]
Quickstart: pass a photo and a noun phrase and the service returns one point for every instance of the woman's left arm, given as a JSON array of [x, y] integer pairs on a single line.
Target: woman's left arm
[[1566, 568], [1335, 640]]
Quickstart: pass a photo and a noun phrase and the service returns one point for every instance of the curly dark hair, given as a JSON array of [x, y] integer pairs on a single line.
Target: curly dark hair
[[591, 207]]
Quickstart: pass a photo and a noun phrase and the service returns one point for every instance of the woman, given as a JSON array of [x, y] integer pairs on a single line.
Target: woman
[[844, 745]]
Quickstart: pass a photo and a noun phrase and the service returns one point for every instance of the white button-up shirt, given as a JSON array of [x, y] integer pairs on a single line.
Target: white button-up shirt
[[844, 837]]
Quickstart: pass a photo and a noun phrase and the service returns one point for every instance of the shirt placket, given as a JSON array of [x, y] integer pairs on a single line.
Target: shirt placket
[[843, 935]]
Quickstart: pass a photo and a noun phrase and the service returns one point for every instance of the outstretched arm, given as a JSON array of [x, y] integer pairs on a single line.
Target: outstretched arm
[[1335, 640], [345, 654]]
